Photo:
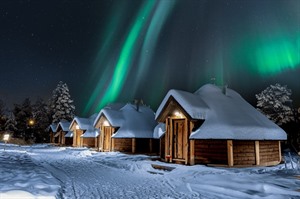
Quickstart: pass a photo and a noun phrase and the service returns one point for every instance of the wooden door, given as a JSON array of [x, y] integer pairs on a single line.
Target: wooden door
[[107, 138], [78, 140], [179, 139]]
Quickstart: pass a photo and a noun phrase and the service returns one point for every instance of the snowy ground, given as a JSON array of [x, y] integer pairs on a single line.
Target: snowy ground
[[43, 171]]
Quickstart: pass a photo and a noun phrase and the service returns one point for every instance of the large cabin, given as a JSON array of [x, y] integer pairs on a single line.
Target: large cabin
[[215, 126], [127, 128], [84, 134]]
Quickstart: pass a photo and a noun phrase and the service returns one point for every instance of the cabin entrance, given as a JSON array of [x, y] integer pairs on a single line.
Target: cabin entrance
[[179, 136], [107, 131]]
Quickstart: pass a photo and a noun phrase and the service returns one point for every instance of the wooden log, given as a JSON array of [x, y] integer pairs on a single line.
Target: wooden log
[[192, 152], [170, 146], [279, 151], [230, 153], [167, 140], [133, 145], [185, 140]]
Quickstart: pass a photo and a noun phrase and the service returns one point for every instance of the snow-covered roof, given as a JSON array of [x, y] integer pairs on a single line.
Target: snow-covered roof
[[52, 127], [69, 134], [84, 123], [159, 130], [64, 125], [226, 116], [111, 111], [193, 105], [91, 133], [131, 123]]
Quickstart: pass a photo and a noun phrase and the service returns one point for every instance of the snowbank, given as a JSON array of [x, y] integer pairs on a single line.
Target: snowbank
[[21, 178]]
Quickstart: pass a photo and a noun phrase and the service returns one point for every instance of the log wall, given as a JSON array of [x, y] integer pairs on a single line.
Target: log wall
[[269, 151], [142, 145], [211, 151], [243, 152], [68, 141], [162, 147], [122, 144], [88, 142]]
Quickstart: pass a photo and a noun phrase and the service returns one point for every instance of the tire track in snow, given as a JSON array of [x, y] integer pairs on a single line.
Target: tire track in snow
[[96, 177]]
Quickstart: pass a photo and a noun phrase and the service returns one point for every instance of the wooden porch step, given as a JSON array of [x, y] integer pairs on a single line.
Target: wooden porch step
[[162, 167]]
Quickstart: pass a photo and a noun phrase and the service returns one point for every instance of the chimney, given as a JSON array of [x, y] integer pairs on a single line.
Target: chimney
[[224, 89], [137, 103]]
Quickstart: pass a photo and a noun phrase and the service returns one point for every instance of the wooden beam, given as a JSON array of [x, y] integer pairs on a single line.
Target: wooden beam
[[133, 145], [257, 154], [279, 150], [192, 152], [171, 141], [230, 153], [167, 140], [186, 141]]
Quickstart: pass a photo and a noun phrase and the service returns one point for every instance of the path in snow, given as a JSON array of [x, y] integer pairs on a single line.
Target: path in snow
[[82, 176], [81, 173]]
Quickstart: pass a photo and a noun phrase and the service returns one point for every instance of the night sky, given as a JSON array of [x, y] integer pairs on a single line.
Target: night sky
[[121, 50]]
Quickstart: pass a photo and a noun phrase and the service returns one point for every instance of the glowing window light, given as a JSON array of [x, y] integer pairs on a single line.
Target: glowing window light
[[77, 127], [178, 114], [105, 123]]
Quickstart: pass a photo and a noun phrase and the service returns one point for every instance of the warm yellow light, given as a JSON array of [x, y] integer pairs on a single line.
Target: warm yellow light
[[6, 137], [105, 123], [31, 122], [177, 114], [77, 127]]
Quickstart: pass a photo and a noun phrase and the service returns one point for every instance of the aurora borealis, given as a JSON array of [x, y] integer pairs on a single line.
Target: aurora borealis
[[118, 51]]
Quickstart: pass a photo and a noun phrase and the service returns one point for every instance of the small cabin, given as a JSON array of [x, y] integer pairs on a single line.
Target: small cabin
[[84, 133], [215, 126], [52, 132], [61, 130], [128, 128]]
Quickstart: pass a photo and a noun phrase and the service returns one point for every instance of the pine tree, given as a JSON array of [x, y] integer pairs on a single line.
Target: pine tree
[[3, 117], [23, 114], [276, 104], [10, 124], [61, 104], [40, 115]]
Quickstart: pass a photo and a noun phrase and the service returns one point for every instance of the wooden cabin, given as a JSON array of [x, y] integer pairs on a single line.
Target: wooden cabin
[[69, 138], [127, 129], [84, 134], [216, 126], [52, 131], [61, 130]]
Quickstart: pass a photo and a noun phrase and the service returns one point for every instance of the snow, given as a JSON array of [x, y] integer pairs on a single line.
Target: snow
[[20, 176], [44, 171], [131, 123], [159, 130], [226, 116], [69, 134], [84, 123], [191, 103], [53, 127], [91, 133], [64, 125]]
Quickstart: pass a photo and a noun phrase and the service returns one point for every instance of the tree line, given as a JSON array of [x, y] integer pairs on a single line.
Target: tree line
[[30, 121]]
